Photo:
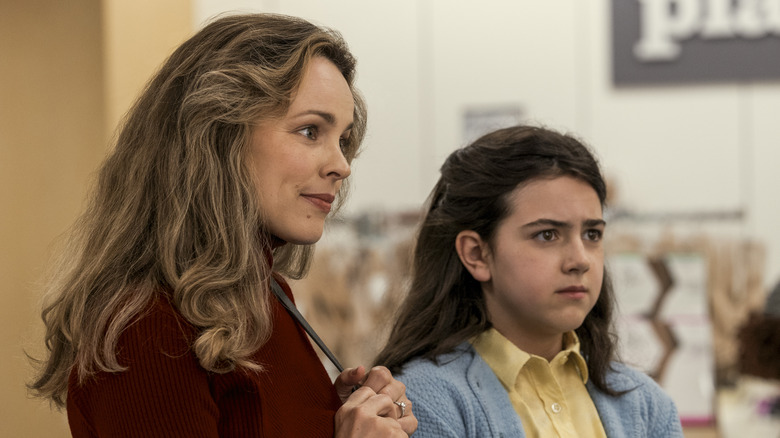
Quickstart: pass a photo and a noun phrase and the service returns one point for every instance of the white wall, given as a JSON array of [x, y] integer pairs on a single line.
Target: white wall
[[668, 149]]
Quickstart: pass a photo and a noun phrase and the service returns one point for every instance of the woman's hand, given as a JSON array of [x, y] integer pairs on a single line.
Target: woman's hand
[[375, 408]]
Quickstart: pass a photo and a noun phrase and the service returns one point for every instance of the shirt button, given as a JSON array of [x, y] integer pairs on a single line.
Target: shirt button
[[556, 407]]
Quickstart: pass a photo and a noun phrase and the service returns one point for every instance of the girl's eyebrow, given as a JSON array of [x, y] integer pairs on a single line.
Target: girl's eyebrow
[[594, 223], [588, 223]]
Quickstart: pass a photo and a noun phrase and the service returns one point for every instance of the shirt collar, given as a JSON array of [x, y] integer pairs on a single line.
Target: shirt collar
[[571, 350], [503, 357], [506, 360]]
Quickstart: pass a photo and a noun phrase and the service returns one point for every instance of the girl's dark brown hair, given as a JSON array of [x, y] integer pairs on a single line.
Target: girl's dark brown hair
[[445, 305]]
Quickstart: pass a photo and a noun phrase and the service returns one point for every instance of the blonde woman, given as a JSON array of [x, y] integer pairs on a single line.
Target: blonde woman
[[161, 320]]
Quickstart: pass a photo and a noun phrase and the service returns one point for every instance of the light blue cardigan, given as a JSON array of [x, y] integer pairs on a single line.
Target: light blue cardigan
[[462, 398]]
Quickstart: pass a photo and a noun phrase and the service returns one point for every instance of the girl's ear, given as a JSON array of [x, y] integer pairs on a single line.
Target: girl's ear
[[473, 251]]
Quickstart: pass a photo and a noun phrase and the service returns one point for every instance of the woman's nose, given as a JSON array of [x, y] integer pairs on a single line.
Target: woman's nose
[[336, 165]]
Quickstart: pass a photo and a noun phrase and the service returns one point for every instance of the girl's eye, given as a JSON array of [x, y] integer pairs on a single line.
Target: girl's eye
[[594, 235], [344, 144], [546, 235], [309, 132]]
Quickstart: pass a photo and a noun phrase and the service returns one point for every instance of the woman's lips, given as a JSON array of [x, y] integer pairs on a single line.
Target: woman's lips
[[323, 201]]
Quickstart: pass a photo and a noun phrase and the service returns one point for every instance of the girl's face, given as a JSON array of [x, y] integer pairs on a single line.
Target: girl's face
[[546, 263], [298, 160]]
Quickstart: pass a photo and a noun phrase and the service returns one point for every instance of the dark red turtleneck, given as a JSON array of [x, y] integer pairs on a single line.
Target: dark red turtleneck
[[166, 393]]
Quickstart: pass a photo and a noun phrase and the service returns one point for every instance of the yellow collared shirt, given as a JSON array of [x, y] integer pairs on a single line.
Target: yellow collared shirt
[[550, 397]]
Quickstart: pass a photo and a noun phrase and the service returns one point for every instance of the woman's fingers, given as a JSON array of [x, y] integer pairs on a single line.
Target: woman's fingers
[[404, 407], [408, 423], [381, 381], [368, 414], [405, 416], [347, 381], [379, 405]]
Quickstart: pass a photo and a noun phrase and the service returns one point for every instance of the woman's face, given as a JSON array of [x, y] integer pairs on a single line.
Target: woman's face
[[298, 159], [546, 262]]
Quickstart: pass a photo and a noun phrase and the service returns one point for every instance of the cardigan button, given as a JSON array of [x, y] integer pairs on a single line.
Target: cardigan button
[[556, 407]]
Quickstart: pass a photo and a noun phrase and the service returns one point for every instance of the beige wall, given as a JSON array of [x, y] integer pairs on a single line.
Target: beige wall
[[68, 70], [138, 36]]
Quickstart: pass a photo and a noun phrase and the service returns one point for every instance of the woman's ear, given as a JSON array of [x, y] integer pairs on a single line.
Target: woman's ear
[[473, 252]]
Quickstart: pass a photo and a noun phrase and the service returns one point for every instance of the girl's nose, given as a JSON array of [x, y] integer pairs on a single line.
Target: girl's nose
[[577, 257]]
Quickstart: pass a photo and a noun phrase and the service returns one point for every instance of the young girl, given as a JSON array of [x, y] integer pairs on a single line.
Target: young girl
[[162, 321], [505, 330]]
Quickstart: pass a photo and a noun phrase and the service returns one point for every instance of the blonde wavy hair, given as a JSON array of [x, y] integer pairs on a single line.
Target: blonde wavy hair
[[175, 209]]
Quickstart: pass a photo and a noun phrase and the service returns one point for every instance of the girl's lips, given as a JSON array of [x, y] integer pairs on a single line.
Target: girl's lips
[[573, 291], [323, 201]]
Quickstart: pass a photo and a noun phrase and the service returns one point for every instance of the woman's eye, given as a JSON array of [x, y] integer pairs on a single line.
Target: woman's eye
[[344, 144], [309, 132]]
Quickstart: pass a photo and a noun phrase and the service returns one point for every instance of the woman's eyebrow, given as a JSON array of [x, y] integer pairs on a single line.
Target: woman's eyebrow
[[329, 118]]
